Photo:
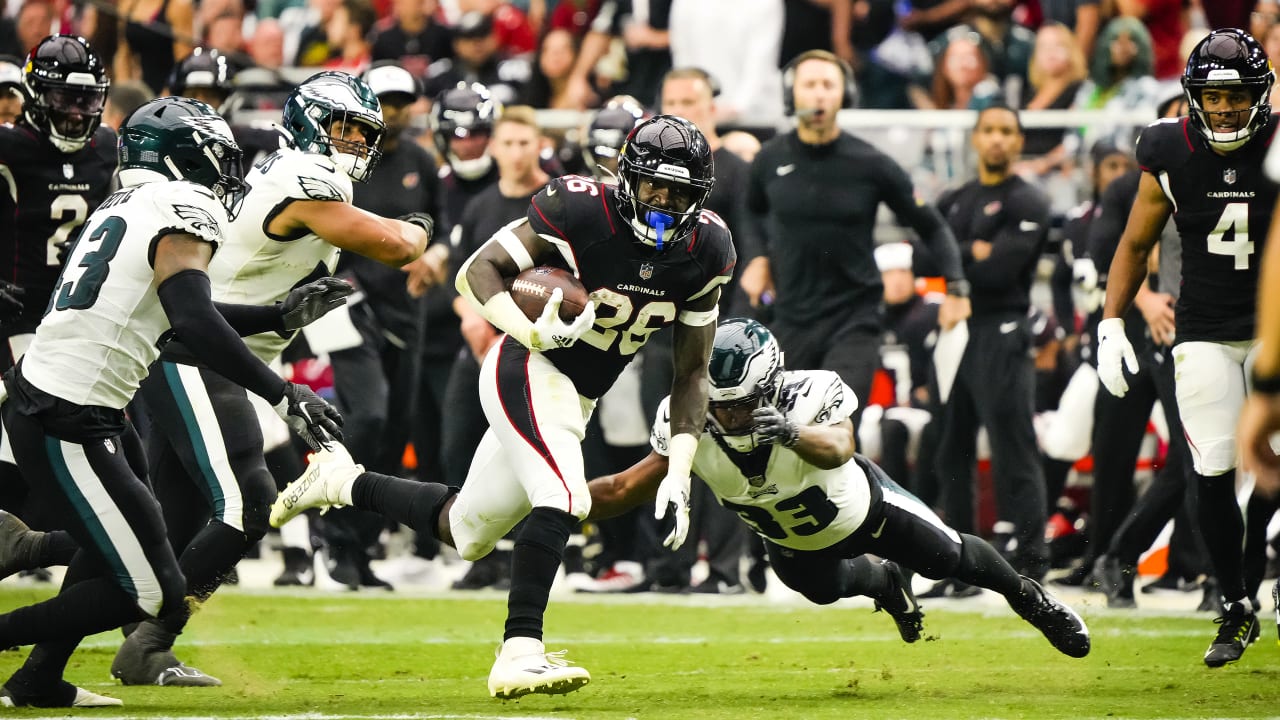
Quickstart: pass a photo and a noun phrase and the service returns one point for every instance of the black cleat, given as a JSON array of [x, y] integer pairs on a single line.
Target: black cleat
[[146, 658], [64, 695], [1116, 580], [901, 603], [299, 569], [1237, 629], [1064, 629]]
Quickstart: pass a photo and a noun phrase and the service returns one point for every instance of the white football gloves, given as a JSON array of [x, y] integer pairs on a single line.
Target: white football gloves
[[674, 489], [550, 332], [1115, 353]]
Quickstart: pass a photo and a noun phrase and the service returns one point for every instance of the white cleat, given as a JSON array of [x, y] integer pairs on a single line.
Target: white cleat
[[319, 487], [524, 666]]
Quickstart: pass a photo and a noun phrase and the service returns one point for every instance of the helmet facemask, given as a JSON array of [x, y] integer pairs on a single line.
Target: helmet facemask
[[746, 367], [1249, 120], [69, 112], [662, 225], [352, 141]]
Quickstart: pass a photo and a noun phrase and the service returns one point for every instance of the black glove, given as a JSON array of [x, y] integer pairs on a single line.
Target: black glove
[[771, 426], [313, 419], [308, 303], [422, 220], [10, 304]]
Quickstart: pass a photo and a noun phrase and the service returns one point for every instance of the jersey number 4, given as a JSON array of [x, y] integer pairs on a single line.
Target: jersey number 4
[[80, 292], [1235, 219]]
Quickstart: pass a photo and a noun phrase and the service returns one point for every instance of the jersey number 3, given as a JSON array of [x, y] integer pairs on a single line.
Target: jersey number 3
[[81, 292], [1235, 219]]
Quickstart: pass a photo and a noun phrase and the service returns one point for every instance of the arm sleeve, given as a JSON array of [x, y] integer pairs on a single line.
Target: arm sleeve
[[186, 298], [249, 320], [934, 232], [1026, 222]]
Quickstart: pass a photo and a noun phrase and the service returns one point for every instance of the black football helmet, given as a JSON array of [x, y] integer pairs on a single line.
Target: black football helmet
[[205, 75], [670, 150], [66, 88], [1228, 59], [462, 111], [607, 133]]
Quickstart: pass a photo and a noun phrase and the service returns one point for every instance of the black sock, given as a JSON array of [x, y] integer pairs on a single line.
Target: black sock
[[534, 561], [1222, 526], [981, 565], [413, 503], [1055, 479], [209, 557]]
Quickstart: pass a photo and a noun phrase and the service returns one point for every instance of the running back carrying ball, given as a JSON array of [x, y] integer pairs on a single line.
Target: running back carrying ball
[[532, 289]]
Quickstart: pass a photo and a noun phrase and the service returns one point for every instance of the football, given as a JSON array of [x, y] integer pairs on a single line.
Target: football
[[532, 289]]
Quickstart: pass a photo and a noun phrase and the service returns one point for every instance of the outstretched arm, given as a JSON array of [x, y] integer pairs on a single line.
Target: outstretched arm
[[612, 495]]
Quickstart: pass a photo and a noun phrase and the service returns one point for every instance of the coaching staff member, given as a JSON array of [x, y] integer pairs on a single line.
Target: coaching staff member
[[816, 191]]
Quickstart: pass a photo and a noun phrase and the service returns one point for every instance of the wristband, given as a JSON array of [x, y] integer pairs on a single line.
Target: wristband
[[1266, 385], [502, 311], [680, 454], [958, 288]]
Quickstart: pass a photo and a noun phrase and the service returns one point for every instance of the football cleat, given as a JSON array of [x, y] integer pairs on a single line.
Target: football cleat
[[1063, 628], [1116, 580], [320, 486], [524, 666], [1275, 600], [80, 698], [16, 541], [1237, 629], [137, 664], [901, 603]]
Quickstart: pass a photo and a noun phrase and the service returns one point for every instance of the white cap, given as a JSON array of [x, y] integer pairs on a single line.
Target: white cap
[[893, 256], [386, 79]]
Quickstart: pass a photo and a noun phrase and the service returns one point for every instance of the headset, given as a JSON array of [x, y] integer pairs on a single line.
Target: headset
[[848, 100]]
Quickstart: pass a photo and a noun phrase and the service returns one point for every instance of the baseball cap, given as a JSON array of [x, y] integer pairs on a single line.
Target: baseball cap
[[391, 79], [894, 256]]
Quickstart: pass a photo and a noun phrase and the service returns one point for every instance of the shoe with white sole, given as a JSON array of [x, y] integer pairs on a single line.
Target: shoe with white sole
[[524, 666], [328, 471], [67, 695]]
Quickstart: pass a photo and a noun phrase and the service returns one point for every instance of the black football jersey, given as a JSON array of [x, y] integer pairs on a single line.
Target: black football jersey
[[1222, 206], [637, 289], [48, 194]]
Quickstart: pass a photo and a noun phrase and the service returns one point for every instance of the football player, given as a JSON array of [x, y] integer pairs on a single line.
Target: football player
[[57, 164], [650, 257], [1206, 171], [207, 449], [779, 451], [136, 279]]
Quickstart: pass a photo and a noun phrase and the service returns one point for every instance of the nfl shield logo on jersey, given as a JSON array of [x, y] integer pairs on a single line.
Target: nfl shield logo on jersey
[[1229, 176], [68, 171], [646, 270]]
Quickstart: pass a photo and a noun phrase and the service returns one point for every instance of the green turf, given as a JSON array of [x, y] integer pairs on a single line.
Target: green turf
[[371, 656]]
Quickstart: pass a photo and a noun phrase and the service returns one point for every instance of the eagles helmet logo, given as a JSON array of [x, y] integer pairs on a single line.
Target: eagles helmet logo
[[198, 220], [318, 189], [210, 125]]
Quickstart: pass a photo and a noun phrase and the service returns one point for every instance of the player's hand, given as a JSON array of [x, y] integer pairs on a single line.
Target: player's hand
[[1115, 353], [10, 300], [1258, 422], [756, 280], [1157, 310], [308, 303], [550, 332], [674, 491], [772, 426], [313, 419], [953, 310]]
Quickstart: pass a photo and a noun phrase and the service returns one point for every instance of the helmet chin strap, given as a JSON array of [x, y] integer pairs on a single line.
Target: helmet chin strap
[[659, 221]]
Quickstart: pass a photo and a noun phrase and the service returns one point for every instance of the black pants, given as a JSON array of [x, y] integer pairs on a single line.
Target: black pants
[[465, 423], [853, 353], [995, 388], [208, 469]]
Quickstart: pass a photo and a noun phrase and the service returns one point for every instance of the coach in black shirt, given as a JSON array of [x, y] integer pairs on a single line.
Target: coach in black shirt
[[817, 190], [1001, 222]]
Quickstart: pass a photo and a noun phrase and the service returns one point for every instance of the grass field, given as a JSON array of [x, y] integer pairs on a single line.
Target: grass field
[[321, 656]]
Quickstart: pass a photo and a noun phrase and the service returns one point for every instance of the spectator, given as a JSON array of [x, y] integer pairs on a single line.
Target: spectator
[[223, 33], [10, 89], [349, 30], [1056, 74], [549, 84], [412, 36], [1007, 45], [1081, 17], [510, 26], [1001, 222], [743, 144], [813, 25], [961, 80], [574, 16], [9, 42], [1165, 22], [1119, 80], [314, 47], [642, 26], [35, 23], [267, 46], [122, 99], [154, 34], [735, 41], [476, 60]]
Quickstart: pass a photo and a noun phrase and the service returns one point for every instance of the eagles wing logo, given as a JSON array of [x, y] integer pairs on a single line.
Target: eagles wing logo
[[317, 189], [210, 125], [198, 220]]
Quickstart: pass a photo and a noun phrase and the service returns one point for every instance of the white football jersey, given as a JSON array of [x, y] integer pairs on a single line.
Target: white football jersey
[[782, 497], [104, 320], [262, 268]]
